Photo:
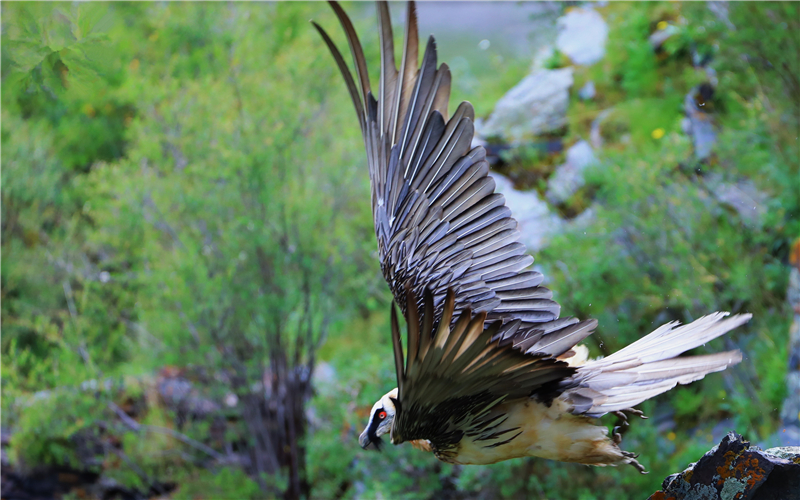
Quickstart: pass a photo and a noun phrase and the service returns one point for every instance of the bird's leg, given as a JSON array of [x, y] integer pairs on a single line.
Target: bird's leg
[[622, 424]]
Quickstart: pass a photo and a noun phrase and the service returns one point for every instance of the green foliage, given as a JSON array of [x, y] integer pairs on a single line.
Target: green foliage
[[182, 182], [42, 439], [530, 165], [55, 46], [228, 482], [557, 59], [630, 55]]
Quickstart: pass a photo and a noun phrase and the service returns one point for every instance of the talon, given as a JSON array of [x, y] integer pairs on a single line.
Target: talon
[[636, 412]]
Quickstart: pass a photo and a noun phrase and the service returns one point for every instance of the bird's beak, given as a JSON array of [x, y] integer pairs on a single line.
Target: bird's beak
[[363, 439]]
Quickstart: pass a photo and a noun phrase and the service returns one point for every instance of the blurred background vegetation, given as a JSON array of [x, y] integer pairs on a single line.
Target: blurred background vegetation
[[191, 300]]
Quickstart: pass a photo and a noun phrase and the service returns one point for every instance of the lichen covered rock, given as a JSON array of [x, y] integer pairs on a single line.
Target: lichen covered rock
[[735, 471]]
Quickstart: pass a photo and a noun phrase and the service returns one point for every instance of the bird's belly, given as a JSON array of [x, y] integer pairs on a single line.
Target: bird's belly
[[547, 432]]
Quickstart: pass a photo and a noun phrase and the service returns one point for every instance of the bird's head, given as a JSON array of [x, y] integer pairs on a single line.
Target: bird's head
[[380, 420]]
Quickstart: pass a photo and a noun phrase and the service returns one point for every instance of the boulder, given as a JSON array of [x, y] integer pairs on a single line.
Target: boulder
[[734, 469], [568, 178], [582, 35], [536, 105]]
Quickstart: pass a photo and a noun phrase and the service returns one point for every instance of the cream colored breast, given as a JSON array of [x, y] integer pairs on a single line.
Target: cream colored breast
[[547, 432]]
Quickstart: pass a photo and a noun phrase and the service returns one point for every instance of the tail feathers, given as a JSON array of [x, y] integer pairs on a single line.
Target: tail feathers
[[650, 367], [671, 340]]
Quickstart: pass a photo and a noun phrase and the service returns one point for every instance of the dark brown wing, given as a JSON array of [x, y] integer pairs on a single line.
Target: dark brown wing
[[438, 221], [455, 374]]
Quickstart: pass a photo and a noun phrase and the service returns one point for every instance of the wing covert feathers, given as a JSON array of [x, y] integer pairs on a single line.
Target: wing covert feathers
[[456, 372], [438, 221], [650, 366]]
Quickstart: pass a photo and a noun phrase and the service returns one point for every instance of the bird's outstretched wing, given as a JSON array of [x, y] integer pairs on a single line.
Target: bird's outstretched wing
[[439, 223], [455, 375]]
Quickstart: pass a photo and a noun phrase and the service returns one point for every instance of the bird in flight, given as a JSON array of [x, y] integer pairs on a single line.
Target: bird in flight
[[490, 371]]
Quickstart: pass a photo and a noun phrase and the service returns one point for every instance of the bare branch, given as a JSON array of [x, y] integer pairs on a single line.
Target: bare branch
[[136, 427]]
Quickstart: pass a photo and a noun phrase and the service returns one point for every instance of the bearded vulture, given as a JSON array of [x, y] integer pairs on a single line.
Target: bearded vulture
[[490, 371]]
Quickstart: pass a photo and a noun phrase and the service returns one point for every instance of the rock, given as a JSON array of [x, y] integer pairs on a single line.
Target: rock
[[743, 196], [700, 127], [568, 178], [536, 222], [587, 91], [790, 453], [585, 220], [733, 469], [582, 36], [790, 413], [536, 105], [594, 135]]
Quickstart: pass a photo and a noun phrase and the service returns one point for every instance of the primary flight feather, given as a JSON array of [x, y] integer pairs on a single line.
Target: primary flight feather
[[491, 372]]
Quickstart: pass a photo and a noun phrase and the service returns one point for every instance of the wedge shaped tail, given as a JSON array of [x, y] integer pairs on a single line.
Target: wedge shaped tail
[[651, 366]]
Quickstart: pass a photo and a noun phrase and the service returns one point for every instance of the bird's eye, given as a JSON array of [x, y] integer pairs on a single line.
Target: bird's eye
[[382, 415]]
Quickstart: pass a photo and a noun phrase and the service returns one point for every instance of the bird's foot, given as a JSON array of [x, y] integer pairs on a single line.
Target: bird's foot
[[630, 458], [620, 428]]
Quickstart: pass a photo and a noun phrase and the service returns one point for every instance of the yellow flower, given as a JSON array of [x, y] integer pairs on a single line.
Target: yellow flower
[[657, 133], [671, 436], [662, 25]]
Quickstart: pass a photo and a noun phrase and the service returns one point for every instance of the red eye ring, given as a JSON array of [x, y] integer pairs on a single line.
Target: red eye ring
[[382, 415]]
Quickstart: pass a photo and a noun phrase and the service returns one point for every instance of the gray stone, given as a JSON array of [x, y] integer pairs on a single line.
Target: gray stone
[[537, 224], [700, 128], [785, 452], [536, 105], [568, 178], [594, 135], [587, 91], [582, 35], [790, 413], [742, 195]]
